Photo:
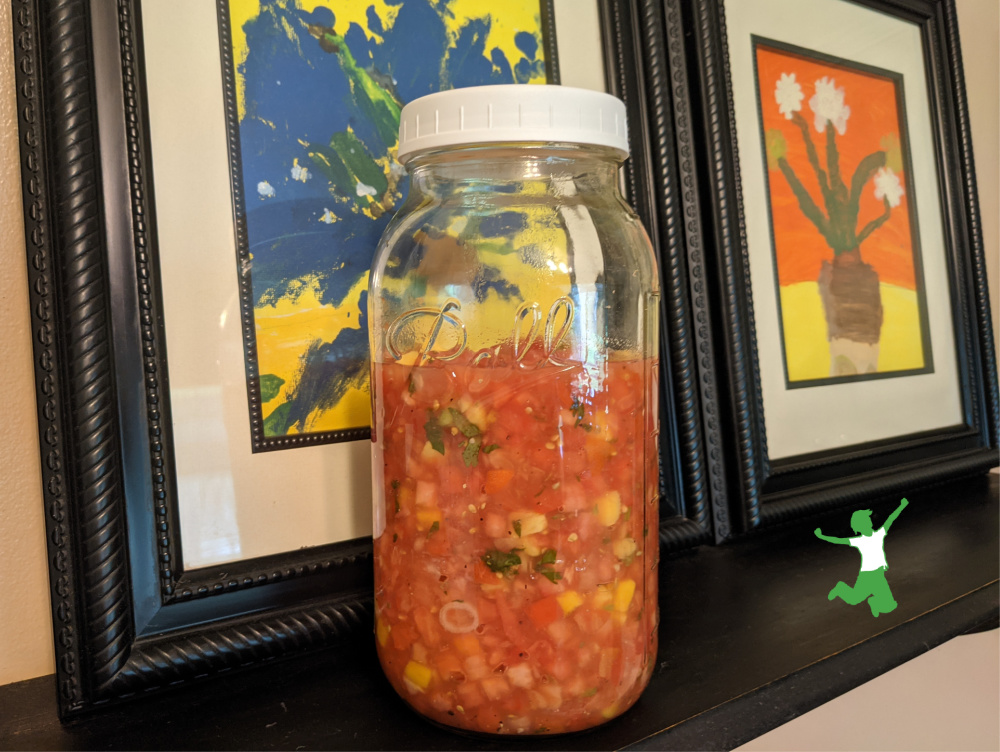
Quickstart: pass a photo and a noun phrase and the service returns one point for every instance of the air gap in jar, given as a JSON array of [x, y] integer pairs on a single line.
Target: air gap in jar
[[513, 311]]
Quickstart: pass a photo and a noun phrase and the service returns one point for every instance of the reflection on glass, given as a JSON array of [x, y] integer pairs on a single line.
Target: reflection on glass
[[206, 497]]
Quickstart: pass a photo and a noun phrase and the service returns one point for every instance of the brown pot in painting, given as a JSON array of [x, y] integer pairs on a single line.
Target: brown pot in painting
[[852, 302]]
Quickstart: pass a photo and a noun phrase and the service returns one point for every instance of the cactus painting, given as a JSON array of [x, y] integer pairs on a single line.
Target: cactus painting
[[843, 225], [317, 88]]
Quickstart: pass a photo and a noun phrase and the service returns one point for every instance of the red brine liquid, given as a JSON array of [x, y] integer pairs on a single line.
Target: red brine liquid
[[516, 541]]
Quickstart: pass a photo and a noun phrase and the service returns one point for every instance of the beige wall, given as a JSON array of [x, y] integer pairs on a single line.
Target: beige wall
[[25, 632], [978, 21]]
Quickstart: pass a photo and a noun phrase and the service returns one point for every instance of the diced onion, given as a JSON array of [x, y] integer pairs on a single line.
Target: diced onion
[[458, 617]]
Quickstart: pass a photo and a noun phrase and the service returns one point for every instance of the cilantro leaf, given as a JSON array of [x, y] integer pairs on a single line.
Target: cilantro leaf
[[490, 447], [434, 434], [466, 426], [470, 455], [395, 493], [434, 528], [544, 566], [498, 561], [516, 524]]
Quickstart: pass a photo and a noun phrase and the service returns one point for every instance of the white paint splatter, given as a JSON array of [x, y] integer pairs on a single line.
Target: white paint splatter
[[328, 216], [299, 172], [265, 189], [364, 190]]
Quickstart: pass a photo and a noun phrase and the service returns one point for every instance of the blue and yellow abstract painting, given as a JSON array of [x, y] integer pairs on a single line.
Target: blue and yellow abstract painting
[[315, 92]]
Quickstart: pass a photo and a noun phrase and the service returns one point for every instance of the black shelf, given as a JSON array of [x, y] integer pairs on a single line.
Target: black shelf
[[748, 641]]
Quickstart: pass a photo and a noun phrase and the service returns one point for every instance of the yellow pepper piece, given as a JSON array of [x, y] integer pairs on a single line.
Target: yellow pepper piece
[[610, 711], [530, 523], [405, 497], [382, 632], [570, 601], [623, 595], [476, 414], [624, 548], [609, 508], [430, 455], [427, 517], [418, 674]]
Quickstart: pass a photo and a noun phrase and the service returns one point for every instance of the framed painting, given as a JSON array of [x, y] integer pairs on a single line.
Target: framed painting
[[834, 301], [161, 198], [314, 186], [854, 333]]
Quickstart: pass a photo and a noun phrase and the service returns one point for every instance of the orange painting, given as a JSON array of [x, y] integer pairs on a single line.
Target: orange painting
[[845, 245]]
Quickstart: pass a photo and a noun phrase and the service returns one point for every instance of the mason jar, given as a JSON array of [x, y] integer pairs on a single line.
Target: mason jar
[[513, 308]]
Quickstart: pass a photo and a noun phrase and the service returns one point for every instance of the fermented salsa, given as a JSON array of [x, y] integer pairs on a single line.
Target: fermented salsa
[[516, 541]]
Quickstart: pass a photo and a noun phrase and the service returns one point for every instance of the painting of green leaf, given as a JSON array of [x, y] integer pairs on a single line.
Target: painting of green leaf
[[319, 86]]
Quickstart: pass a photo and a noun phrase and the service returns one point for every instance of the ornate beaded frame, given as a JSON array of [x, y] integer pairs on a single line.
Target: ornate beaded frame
[[767, 492]]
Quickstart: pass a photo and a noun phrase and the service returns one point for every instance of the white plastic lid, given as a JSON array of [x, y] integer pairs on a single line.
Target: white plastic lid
[[514, 113]]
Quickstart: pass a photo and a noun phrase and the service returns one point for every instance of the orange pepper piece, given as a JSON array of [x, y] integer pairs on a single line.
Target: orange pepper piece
[[497, 480]]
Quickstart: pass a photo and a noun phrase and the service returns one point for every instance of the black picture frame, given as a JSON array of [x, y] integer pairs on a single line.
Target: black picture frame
[[646, 67], [765, 492], [128, 618]]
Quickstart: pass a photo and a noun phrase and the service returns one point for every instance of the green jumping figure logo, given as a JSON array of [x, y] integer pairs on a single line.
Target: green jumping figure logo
[[871, 584]]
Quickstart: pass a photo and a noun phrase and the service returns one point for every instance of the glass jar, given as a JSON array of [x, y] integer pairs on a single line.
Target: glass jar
[[513, 308]]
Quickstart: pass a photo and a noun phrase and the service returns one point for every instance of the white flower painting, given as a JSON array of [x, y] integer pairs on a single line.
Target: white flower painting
[[844, 248], [828, 106]]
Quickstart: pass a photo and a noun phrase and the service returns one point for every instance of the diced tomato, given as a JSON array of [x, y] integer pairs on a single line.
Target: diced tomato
[[487, 612], [470, 696], [450, 667], [453, 479], [545, 611], [495, 525], [403, 635], [467, 644], [591, 620], [549, 587], [563, 667], [483, 575], [573, 498], [495, 687], [513, 625], [426, 494], [476, 667], [428, 626], [552, 695], [437, 543], [510, 598], [562, 631], [441, 702]]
